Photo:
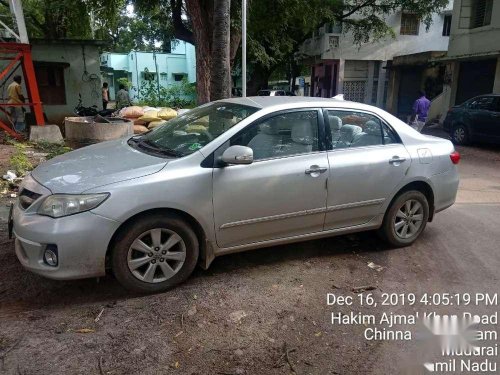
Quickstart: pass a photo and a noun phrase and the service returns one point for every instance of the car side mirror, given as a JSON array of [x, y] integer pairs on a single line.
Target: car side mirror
[[237, 155]]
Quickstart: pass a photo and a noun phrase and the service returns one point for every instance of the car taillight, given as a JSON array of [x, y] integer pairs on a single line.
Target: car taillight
[[455, 157]]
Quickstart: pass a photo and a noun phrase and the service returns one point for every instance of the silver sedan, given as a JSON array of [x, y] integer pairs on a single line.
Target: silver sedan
[[230, 176]]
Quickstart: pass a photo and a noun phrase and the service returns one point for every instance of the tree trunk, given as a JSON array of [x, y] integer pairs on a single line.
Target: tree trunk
[[203, 58], [234, 44], [200, 13], [220, 85]]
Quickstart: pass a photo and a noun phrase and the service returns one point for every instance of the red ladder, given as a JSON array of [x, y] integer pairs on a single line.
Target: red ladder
[[20, 54]]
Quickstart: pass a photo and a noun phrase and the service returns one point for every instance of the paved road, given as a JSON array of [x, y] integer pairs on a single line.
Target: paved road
[[237, 317]]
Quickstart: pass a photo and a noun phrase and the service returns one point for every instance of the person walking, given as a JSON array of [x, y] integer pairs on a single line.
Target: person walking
[[105, 95], [15, 94], [420, 112], [122, 97]]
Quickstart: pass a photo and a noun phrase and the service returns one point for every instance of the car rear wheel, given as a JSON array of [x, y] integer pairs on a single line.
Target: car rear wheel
[[460, 135], [154, 253], [405, 219]]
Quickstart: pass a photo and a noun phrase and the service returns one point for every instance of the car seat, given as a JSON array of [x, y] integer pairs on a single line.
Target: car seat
[[302, 138], [267, 142], [348, 133], [335, 125], [370, 136]]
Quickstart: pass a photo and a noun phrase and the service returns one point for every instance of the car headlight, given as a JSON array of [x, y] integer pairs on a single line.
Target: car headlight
[[59, 205]]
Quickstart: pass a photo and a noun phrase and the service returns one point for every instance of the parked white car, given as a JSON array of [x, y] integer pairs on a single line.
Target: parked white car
[[230, 176]]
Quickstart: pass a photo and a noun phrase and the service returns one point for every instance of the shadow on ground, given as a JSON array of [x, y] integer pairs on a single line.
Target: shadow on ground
[[22, 290]]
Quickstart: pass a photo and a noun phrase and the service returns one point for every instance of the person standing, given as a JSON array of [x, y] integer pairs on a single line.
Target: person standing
[[420, 112], [105, 95], [15, 94], [122, 97]]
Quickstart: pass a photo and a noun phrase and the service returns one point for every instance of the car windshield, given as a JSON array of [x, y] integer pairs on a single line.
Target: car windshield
[[193, 130]]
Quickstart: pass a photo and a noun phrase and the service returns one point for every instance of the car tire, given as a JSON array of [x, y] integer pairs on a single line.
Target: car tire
[[399, 215], [460, 135], [154, 253]]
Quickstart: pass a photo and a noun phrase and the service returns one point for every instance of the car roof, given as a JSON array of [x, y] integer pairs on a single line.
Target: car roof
[[295, 101], [483, 95]]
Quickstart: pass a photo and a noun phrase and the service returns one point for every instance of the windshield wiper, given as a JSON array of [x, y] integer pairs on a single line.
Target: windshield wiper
[[161, 150]]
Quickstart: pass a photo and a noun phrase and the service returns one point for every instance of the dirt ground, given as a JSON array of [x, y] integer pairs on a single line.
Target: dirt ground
[[260, 312]]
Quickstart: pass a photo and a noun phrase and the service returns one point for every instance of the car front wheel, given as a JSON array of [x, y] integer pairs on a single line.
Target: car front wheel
[[154, 253], [460, 135], [405, 219]]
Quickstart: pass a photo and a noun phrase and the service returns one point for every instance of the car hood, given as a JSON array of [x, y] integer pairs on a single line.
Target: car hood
[[97, 165]]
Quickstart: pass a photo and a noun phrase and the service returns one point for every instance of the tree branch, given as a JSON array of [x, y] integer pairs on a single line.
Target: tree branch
[[180, 30], [356, 8]]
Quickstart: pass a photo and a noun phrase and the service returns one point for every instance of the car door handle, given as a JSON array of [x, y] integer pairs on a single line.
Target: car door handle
[[397, 160], [316, 169]]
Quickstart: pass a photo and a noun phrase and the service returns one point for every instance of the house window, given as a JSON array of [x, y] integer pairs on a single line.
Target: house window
[[409, 24], [149, 76], [481, 13], [50, 79], [178, 77], [447, 25], [333, 41], [355, 91], [164, 77]]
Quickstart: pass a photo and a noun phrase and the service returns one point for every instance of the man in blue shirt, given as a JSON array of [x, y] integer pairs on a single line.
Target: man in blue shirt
[[420, 111]]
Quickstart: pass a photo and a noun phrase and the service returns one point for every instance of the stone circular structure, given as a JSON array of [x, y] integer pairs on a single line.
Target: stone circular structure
[[86, 130]]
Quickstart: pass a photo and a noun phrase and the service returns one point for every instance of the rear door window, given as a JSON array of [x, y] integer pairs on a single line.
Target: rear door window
[[350, 129], [485, 103]]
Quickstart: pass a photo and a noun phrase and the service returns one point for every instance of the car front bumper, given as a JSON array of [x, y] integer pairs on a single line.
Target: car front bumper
[[82, 241]]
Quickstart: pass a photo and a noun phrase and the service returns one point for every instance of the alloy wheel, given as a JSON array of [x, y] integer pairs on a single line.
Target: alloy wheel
[[459, 134], [409, 219], [156, 255]]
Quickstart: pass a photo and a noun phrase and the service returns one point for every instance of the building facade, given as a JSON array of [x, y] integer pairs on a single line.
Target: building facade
[[387, 73], [139, 67], [65, 69], [473, 58]]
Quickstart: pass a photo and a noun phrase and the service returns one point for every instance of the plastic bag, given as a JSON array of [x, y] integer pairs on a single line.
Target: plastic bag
[[167, 113], [154, 124], [150, 116], [131, 112], [138, 129]]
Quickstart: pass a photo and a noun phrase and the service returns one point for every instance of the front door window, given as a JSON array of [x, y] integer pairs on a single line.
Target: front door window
[[282, 135]]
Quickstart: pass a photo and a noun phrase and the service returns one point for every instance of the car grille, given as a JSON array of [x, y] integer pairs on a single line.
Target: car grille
[[27, 197]]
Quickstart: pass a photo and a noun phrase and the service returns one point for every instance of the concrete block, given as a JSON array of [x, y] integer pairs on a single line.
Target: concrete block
[[47, 133]]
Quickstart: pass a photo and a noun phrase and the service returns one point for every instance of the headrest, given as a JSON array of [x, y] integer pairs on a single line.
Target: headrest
[[335, 122], [372, 128], [270, 127], [349, 129], [302, 132]]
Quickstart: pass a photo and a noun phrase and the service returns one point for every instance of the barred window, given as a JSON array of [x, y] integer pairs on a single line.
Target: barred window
[[409, 24], [481, 13], [447, 25]]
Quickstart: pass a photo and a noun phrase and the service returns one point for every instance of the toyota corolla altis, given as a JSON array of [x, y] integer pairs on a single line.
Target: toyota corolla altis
[[230, 176]]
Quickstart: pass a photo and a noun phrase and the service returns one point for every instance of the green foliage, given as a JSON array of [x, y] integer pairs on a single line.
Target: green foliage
[[79, 19], [148, 29], [177, 95], [19, 161], [125, 82], [52, 149]]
